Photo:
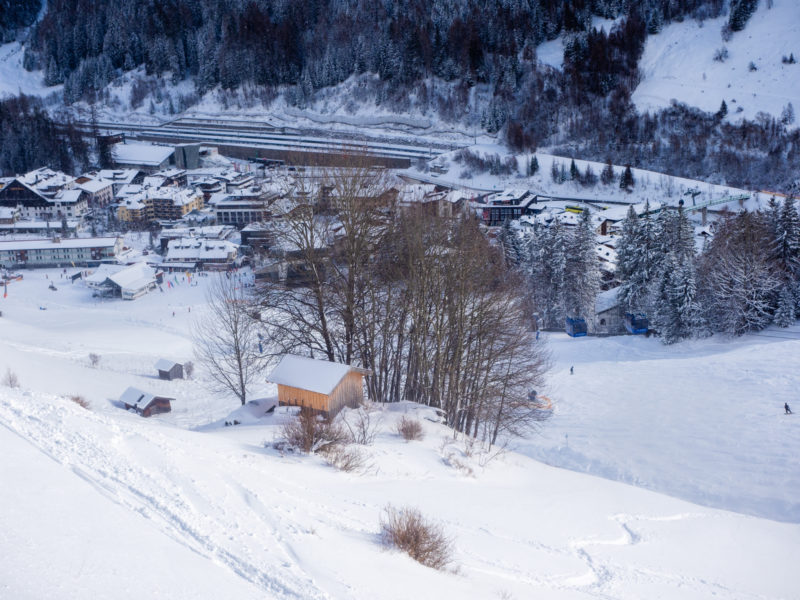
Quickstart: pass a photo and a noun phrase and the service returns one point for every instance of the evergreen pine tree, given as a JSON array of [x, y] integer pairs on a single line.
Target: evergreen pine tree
[[741, 11], [533, 166], [723, 110], [509, 241], [574, 174], [786, 311], [684, 237], [628, 261], [664, 315], [607, 174], [554, 258], [788, 239], [626, 179], [582, 278]]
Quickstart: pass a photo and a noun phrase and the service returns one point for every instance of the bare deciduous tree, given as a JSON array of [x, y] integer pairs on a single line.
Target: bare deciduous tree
[[226, 339]]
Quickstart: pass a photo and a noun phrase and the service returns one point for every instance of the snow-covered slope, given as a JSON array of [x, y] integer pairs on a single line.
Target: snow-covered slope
[[679, 63], [103, 503]]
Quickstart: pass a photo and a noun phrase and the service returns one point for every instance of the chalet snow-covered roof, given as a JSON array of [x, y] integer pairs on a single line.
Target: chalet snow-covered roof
[[606, 300], [141, 154], [101, 274], [136, 398], [139, 399], [164, 364], [94, 185], [68, 196], [319, 376], [134, 277], [119, 175]]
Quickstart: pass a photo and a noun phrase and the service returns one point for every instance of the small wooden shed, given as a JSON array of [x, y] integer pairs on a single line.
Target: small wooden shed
[[145, 404], [169, 369], [324, 386]]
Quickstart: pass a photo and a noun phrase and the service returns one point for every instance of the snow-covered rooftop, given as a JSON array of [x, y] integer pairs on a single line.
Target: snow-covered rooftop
[[319, 376], [134, 277], [165, 365], [69, 196], [104, 242], [141, 154], [184, 249], [95, 185], [606, 300], [136, 397]]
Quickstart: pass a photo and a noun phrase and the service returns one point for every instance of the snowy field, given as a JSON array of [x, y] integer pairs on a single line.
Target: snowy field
[[679, 63], [102, 503]]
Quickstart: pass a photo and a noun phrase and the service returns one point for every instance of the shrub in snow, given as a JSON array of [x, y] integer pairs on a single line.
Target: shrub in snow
[[80, 401], [94, 359], [10, 379], [721, 55], [410, 429], [310, 432], [346, 458], [188, 369], [363, 423], [408, 530]]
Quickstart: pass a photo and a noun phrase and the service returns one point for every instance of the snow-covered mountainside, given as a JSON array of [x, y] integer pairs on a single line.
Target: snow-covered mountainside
[[679, 63], [104, 503]]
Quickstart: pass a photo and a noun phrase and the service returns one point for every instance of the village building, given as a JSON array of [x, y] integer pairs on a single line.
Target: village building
[[63, 227], [58, 252], [609, 315], [433, 200], [8, 215], [169, 369], [99, 192], [242, 206], [159, 203], [44, 195], [496, 209], [320, 385], [209, 254], [144, 403], [119, 178], [205, 232], [126, 282], [146, 157]]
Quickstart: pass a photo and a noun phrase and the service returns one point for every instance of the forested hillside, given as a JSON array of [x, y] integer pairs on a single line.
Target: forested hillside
[[15, 14], [467, 62], [322, 42]]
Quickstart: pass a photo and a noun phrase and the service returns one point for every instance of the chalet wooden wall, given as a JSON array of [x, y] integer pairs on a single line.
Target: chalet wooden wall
[[292, 396], [349, 392]]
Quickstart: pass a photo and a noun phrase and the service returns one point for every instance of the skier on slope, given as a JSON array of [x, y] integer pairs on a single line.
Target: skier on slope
[[786, 408]]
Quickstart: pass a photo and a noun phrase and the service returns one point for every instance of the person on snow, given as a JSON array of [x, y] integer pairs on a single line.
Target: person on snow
[[571, 370], [786, 408]]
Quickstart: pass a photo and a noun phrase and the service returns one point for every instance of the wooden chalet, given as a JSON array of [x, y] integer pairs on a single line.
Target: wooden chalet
[[169, 369], [145, 404], [323, 386]]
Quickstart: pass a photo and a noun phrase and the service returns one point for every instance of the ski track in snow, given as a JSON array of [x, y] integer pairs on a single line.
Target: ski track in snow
[[159, 499]]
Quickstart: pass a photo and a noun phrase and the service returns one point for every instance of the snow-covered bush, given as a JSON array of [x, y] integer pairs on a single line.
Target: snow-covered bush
[[346, 458], [10, 379], [309, 432], [80, 401], [424, 541], [363, 423], [410, 429]]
